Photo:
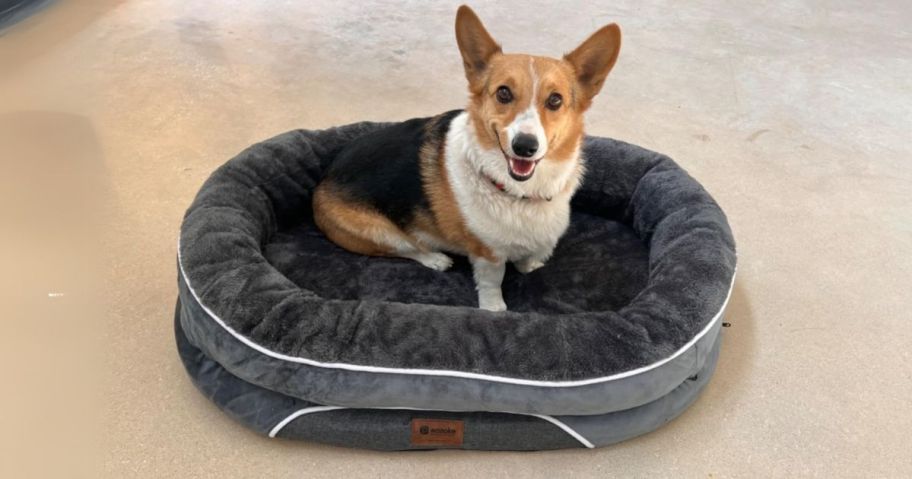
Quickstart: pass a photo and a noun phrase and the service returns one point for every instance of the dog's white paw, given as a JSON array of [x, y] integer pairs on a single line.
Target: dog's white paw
[[528, 265], [491, 300], [436, 261]]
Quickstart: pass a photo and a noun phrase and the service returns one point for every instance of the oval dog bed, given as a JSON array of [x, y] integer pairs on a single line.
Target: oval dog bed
[[297, 338]]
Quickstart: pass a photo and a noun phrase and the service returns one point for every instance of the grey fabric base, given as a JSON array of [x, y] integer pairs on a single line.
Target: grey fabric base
[[627, 309], [264, 411]]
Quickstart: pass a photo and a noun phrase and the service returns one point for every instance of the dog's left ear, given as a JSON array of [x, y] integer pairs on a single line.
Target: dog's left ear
[[476, 45], [593, 60]]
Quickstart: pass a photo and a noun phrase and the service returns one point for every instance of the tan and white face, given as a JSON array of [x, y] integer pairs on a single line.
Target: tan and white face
[[530, 107]]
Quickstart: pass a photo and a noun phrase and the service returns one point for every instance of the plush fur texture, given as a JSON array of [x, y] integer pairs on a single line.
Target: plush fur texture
[[598, 307], [305, 256]]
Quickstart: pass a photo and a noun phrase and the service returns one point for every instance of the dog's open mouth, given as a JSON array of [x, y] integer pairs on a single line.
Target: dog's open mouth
[[521, 170]]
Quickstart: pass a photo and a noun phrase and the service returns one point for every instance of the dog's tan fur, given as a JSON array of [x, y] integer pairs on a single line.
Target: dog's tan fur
[[353, 226]]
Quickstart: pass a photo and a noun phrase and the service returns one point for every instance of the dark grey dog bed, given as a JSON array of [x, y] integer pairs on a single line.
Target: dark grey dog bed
[[298, 338]]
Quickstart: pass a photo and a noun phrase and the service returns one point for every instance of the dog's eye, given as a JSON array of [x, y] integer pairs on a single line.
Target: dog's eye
[[554, 101], [504, 95]]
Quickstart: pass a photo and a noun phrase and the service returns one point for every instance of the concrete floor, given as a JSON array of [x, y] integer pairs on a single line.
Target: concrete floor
[[796, 117]]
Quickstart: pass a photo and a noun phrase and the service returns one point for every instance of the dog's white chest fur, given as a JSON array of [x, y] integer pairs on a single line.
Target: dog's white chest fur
[[513, 227]]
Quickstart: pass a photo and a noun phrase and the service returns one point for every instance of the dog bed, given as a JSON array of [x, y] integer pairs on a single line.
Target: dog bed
[[297, 338]]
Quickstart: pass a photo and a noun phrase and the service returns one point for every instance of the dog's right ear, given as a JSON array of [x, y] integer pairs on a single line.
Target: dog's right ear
[[475, 44]]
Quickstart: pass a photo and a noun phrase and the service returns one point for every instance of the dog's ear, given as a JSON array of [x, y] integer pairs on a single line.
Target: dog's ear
[[593, 59], [475, 44]]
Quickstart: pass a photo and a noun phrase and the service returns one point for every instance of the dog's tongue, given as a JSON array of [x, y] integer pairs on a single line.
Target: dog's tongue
[[522, 167]]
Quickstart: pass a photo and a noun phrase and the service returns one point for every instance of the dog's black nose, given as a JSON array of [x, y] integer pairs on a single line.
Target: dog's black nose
[[525, 145]]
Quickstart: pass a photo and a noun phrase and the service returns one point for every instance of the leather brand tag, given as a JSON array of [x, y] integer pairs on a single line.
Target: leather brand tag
[[437, 432]]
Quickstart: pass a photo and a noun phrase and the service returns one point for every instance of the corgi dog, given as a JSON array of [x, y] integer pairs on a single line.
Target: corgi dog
[[492, 182]]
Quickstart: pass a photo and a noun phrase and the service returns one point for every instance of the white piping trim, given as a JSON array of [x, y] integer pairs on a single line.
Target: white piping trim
[[569, 430], [314, 409], [300, 412], [446, 373]]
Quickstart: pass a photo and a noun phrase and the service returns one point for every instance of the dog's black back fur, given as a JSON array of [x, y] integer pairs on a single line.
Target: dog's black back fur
[[382, 169]]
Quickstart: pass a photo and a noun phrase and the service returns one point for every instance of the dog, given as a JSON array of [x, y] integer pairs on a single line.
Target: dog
[[492, 182]]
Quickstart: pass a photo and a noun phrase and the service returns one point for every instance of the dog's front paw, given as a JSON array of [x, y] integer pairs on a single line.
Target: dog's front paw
[[528, 265], [435, 261], [491, 300]]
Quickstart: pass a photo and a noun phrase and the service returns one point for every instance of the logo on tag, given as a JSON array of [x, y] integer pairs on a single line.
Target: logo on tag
[[437, 432]]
